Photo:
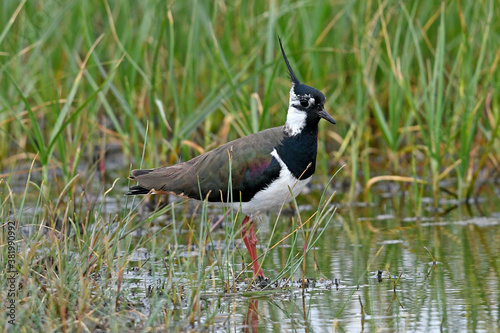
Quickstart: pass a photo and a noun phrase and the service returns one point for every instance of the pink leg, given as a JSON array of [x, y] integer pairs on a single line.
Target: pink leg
[[250, 242]]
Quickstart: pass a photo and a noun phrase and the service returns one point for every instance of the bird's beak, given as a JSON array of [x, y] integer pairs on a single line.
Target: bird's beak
[[326, 116]]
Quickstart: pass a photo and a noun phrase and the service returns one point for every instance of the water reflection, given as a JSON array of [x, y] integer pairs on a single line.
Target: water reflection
[[374, 268], [251, 322]]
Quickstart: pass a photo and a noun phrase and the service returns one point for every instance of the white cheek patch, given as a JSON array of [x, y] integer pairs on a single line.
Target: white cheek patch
[[293, 97], [295, 121]]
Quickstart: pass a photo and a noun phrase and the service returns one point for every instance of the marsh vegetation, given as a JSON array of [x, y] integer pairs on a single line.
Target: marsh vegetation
[[405, 236]]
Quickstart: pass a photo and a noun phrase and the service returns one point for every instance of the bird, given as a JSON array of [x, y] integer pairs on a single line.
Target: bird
[[267, 167]]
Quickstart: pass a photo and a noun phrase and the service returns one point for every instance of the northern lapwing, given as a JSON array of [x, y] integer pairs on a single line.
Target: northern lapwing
[[265, 167]]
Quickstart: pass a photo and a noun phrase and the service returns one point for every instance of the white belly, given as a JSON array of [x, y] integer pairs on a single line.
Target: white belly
[[275, 195]]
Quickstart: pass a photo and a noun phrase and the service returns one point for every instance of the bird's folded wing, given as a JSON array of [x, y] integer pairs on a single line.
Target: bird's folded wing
[[207, 176]]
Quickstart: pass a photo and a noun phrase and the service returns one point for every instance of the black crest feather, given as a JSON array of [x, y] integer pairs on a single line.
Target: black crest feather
[[293, 78]]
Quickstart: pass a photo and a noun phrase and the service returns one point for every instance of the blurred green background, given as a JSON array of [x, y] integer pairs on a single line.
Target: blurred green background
[[90, 89], [411, 83]]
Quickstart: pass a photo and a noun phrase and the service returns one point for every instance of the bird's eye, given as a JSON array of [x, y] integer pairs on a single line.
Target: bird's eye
[[304, 102]]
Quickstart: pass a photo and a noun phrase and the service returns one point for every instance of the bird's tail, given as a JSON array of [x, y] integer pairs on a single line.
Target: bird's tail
[[135, 190]]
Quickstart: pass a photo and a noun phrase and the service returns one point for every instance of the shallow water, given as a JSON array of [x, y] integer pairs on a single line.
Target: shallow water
[[376, 267]]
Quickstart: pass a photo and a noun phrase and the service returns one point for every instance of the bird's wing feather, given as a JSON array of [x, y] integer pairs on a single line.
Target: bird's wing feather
[[207, 176]]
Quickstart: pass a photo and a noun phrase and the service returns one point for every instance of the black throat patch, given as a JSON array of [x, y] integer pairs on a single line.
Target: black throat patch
[[298, 152]]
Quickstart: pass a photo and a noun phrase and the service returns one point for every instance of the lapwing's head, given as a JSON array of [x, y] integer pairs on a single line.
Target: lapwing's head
[[306, 105]]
